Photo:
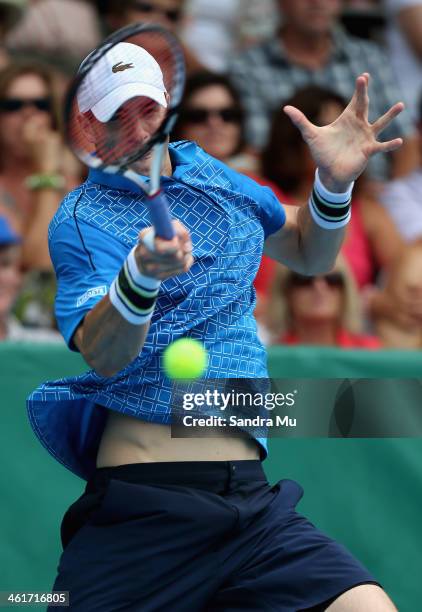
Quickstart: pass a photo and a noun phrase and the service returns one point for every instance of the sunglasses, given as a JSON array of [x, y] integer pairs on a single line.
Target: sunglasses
[[13, 105], [146, 7], [334, 279], [202, 115]]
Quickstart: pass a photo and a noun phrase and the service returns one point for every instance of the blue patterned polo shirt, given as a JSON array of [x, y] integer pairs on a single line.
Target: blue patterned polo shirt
[[97, 224]]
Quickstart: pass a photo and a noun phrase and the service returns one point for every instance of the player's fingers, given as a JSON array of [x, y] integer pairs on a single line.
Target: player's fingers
[[187, 249], [167, 248], [153, 268], [161, 268], [381, 123], [168, 261], [360, 100], [307, 129], [189, 260], [178, 261], [151, 261], [156, 252], [162, 273], [186, 245], [146, 238], [183, 234], [387, 147], [179, 228], [155, 244]]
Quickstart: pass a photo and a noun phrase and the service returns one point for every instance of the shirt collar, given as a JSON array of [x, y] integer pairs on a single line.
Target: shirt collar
[[182, 155]]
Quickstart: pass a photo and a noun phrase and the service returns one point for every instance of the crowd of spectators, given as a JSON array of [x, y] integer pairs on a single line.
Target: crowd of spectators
[[246, 59]]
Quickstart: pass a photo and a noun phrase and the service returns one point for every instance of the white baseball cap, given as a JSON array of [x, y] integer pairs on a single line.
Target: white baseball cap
[[124, 72]]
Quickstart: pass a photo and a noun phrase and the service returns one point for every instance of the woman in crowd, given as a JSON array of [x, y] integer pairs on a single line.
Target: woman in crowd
[[211, 115], [399, 322], [372, 240], [32, 173], [35, 169], [317, 310]]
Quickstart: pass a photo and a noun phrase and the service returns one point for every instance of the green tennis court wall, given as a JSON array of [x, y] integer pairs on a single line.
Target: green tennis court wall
[[365, 493]]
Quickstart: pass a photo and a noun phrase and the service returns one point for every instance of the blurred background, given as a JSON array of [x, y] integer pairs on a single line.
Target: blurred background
[[246, 59]]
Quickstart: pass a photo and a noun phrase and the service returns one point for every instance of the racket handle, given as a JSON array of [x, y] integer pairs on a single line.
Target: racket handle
[[160, 216]]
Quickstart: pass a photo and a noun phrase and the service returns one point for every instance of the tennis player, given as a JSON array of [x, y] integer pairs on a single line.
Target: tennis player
[[188, 524]]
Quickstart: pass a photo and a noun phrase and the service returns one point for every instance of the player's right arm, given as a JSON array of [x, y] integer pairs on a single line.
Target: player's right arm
[[106, 340], [105, 337]]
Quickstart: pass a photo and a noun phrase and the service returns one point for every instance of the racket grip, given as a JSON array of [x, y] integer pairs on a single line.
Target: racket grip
[[160, 216]]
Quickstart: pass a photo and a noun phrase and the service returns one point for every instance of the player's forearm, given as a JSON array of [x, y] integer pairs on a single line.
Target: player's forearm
[[108, 342], [114, 332], [318, 247], [312, 235], [322, 224]]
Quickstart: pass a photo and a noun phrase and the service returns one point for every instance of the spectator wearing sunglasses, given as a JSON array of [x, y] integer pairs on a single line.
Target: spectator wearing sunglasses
[[166, 13], [211, 116], [32, 175], [398, 321], [317, 310]]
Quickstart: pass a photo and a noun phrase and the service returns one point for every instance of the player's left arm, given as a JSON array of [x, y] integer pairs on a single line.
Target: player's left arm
[[302, 245], [312, 235]]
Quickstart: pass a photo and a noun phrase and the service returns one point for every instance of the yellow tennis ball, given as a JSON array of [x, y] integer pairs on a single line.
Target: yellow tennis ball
[[185, 358]]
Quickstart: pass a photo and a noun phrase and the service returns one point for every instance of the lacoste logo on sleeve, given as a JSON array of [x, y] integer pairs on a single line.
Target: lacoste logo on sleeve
[[120, 66], [93, 292]]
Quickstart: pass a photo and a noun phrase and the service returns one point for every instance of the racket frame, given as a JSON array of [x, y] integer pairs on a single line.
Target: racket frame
[[158, 208]]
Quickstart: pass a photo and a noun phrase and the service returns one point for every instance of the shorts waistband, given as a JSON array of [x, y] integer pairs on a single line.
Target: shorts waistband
[[209, 474]]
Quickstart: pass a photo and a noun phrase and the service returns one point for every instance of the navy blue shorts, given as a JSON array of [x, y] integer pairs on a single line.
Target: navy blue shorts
[[198, 536]]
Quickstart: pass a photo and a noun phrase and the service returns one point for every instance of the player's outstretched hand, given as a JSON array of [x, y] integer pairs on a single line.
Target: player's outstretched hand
[[164, 258], [341, 150]]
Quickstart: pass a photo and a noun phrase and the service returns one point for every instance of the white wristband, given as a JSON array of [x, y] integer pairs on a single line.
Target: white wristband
[[332, 196], [330, 210], [133, 294], [328, 224], [148, 282], [126, 313]]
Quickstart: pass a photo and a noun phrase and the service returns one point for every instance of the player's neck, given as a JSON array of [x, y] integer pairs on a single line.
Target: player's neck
[[143, 166]]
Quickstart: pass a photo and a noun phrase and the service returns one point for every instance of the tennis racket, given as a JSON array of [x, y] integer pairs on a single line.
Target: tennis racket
[[122, 105]]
